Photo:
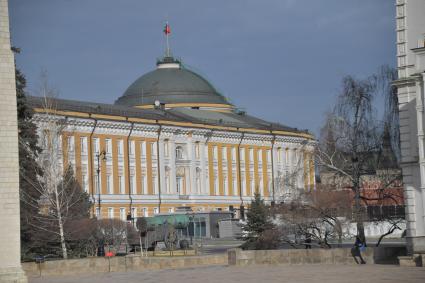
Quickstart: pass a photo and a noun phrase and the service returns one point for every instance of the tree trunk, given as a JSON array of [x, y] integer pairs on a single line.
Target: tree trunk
[[358, 215], [60, 223], [356, 176]]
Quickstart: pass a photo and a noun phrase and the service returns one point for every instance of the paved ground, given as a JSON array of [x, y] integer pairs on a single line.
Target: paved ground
[[257, 273]]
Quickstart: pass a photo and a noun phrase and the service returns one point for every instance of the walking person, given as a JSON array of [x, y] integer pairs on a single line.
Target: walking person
[[357, 249]]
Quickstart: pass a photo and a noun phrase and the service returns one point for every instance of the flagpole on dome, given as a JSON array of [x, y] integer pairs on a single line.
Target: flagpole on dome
[[167, 31]]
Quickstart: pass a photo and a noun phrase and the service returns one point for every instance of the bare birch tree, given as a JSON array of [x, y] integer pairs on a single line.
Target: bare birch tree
[[60, 198]]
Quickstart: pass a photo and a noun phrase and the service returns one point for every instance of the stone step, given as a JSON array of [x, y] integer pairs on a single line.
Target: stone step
[[412, 261]]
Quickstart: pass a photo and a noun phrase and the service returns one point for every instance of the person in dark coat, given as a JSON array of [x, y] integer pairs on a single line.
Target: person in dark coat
[[356, 250], [308, 241]]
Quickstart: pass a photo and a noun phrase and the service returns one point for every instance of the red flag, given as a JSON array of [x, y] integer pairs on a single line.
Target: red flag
[[167, 29]]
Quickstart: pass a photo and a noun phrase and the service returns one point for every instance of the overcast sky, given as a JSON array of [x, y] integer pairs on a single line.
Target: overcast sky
[[281, 60]]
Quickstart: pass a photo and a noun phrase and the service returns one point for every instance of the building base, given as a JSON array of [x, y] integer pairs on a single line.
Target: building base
[[12, 275], [415, 245]]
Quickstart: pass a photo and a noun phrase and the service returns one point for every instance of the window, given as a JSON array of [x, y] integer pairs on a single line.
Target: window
[[224, 154], [295, 156], [216, 191], [235, 186], [108, 144], [243, 184], [96, 143], [96, 184], [171, 210], [145, 212], [110, 212], [198, 180], [133, 212], [225, 187], [215, 152], [260, 186], [179, 152], [153, 149], [84, 183], [279, 154], [132, 145], [143, 148], [155, 210], [251, 155], [242, 154], [83, 144], [233, 154], [167, 179], [47, 137], [132, 186], [70, 144], [97, 212], [197, 150], [166, 148], [121, 184], [109, 186], [179, 184], [155, 185], [122, 214], [144, 185], [120, 147]]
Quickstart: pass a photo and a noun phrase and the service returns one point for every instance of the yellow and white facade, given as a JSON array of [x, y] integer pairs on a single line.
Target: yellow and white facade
[[168, 154]]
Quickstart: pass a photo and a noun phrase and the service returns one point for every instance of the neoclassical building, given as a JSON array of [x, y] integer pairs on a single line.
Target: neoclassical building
[[172, 140]]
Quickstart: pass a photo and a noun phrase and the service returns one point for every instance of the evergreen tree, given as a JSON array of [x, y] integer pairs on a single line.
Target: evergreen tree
[[29, 169], [259, 227]]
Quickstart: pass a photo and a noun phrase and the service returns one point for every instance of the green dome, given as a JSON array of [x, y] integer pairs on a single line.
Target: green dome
[[171, 83]]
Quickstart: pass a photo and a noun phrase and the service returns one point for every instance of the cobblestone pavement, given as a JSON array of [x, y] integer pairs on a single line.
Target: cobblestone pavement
[[256, 273]]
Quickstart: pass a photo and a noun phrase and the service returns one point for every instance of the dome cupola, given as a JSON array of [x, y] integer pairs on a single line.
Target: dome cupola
[[173, 85]]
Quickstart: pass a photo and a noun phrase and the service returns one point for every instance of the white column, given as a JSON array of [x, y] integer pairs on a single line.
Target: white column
[[161, 164], [204, 161], [206, 171], [192, 174], [420, 194], [10, 245], [172, 146]]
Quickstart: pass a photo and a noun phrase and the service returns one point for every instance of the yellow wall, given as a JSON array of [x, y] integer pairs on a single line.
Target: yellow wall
[[221, 162]]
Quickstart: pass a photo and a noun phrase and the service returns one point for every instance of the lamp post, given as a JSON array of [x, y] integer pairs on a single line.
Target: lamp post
[[100, 156]]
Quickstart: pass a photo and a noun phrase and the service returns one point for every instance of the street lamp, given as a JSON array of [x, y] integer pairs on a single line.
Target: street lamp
[[100, 156]]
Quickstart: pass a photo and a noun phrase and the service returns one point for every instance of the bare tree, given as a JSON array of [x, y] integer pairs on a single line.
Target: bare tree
[[318, 215], [351, 146], [114, 233]]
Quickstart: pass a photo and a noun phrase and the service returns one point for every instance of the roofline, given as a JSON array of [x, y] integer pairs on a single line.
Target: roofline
[[171, 123], [176, 105]]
